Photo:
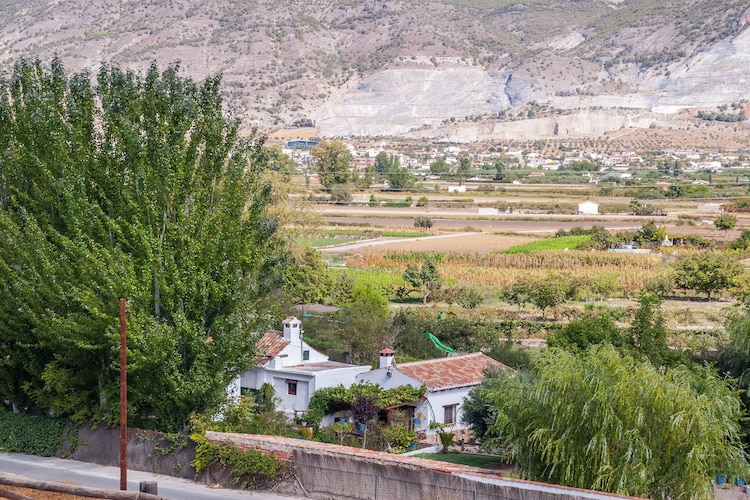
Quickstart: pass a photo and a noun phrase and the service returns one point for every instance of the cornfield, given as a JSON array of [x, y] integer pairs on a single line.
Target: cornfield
[[495, 271]]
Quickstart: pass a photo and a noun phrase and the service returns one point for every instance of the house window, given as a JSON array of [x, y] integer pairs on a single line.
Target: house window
[[291, 387], [306, 355], [449, 414]]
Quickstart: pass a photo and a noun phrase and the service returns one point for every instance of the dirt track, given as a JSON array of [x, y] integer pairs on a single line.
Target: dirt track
[[460, 242]]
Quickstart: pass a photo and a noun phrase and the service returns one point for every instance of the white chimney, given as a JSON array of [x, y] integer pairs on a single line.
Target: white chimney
[[292, 329], [386, 357]]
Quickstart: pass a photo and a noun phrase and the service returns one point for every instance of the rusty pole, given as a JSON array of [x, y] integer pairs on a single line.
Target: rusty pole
[[123, 400]]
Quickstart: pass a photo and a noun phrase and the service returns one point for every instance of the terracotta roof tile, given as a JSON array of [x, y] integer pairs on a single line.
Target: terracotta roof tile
[[271, 344], [450, 372]]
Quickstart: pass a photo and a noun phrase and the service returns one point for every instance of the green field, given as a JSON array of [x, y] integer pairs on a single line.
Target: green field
[[559, 243], [471, 459]]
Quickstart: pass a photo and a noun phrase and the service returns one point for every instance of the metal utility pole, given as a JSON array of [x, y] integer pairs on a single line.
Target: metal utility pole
[[123, 400]]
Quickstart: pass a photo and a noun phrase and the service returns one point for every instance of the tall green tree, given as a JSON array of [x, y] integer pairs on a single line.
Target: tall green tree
[[605, 421], [334, 163], [138, 187], [383, 162], [648, 331], [400, 178], [439, 166], [364, 323]]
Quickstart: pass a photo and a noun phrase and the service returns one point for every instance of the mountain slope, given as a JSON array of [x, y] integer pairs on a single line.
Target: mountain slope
[[394, 67]]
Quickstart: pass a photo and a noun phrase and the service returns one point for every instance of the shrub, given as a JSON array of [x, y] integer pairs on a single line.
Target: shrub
[[423, 222], [397, 437], [340, 195], [248, 468]]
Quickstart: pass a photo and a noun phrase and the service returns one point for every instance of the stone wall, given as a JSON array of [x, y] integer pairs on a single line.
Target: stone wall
[[342, 472], [148, 451]]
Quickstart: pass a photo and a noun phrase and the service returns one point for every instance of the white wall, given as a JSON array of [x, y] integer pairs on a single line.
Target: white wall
[[289, 403], [381, 378], [338, 376], [438, 400]]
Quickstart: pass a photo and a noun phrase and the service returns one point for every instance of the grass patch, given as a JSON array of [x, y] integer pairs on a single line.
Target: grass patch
[[471, 459], [321, 242], [560, 243], [379, 278]]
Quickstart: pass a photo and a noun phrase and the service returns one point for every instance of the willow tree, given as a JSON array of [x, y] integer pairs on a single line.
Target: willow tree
[[136, 187], [602, 420]]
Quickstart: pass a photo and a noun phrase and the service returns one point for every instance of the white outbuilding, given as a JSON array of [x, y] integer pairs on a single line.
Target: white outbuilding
[[588, 208]]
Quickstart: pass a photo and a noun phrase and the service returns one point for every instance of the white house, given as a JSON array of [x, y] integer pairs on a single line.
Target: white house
[[588, 208], [294, 369], [448, 381]]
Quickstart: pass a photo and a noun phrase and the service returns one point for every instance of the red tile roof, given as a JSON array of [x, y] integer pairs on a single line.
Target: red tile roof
[[450, 372], [271, 344]]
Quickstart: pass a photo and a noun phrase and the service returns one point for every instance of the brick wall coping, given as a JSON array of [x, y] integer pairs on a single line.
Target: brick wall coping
[[285, 447]]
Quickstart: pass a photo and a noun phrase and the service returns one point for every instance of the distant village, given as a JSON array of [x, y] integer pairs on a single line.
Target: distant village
[[618, 166]]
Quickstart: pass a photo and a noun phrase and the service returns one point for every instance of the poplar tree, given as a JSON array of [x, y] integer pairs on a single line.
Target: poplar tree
[[139, 187]]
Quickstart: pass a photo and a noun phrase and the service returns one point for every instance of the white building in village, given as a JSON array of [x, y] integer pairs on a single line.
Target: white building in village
[[294, 369]]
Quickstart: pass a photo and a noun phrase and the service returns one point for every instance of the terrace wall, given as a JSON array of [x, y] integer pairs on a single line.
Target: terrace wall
[[342, 472]]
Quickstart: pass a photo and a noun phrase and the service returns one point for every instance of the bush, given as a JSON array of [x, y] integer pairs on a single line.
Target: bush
[[397, 437], [423, 222], [340, 195], [32, 434], [248, 468]]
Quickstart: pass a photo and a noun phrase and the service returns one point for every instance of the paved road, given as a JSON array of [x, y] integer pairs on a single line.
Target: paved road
[[97, 476]]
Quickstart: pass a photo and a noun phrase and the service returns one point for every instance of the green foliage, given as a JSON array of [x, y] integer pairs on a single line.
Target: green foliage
[[512, 355], [397, 437], [518, 294], [340, 430], [384, 163], [340, 195], [559, 243], [439, 167], [332, 399], [426, 279], [307, 279], [465, 295], [743, 242], [363, 318], [32, 434], [472, 460], [400, 178], [246, 417], [583, 332], [333, 161], [550, 291], [725, 222], [706, 272], [601, 420], [648, 331], [248, 468], [423, 222], [139, 188]]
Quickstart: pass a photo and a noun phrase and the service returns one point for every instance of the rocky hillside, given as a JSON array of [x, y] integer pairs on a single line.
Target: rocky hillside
[[460, 69]]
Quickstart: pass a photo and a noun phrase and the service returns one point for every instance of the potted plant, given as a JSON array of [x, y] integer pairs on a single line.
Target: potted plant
[[446, 437]]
